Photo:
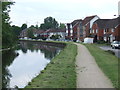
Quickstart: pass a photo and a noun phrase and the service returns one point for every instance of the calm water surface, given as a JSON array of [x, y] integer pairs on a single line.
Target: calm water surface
[[25, 62]]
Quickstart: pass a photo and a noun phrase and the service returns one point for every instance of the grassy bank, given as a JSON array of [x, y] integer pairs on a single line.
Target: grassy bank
[[60, 72], [106, 61]]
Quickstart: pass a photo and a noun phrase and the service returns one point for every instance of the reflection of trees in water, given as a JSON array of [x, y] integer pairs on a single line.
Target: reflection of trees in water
[[7, 59], [6, 78], [23, 47], [49, 51], [9, 56]]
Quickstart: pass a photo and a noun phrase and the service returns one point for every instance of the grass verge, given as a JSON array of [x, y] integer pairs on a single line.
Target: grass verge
[[60, 72], [106, 61]]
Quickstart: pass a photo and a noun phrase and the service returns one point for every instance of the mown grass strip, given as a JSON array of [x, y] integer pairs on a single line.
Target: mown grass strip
[[106, 61], [60, 72]]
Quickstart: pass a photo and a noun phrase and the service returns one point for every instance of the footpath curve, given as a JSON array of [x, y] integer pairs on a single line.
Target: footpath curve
[[89, 75]]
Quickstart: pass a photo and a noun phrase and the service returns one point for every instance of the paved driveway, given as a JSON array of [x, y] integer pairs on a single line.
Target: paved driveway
[[116, 51]]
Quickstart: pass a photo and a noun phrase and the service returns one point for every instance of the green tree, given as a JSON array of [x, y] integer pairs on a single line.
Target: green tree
[[17, 30], [24, 26], [36, 26], [42, 26], [49, 23], [32, 26], [30, 33], [54, 37], [62, 26], [8, 37]]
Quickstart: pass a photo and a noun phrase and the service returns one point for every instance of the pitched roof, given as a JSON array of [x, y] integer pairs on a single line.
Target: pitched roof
[[40, 31], [57, 30], [107, 23], [87, 19], [54, 31], [76, 21]]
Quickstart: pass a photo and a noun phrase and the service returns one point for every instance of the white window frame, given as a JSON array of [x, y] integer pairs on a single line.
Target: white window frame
[[90, 30], [67, 31], [93, 31], [104, 31], [105, 39], [96, 30], [113, 30]]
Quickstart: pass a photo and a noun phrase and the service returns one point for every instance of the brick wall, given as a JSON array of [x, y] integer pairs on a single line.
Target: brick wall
[[117, 33], [87, 30]]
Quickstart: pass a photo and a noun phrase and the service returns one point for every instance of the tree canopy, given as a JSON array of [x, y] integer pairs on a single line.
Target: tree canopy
[[17, 30], [36, 26], [30, 33], [49, 23], [62, 26], [24, 26], [8, 36]]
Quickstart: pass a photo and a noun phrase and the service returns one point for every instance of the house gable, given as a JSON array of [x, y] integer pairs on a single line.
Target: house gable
[[93, 20]]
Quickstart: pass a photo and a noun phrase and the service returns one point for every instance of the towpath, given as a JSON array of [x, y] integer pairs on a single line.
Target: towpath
[[89, 75]]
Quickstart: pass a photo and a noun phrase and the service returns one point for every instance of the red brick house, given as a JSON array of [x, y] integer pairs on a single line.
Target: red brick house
[[80, 29], [106, 29], [87, 25], [77, 30]]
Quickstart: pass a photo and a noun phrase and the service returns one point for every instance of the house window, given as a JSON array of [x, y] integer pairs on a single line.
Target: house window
[[113, 30], [66, 31], [71, 31], [96, 30], [81, 35], [93, 31], [104, 31], [97, 38]]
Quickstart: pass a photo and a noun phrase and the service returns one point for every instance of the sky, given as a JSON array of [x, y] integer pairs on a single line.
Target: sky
[[34, 12]]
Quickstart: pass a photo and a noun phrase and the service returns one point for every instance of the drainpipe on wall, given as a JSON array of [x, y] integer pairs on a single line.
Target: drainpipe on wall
[[68, 25]]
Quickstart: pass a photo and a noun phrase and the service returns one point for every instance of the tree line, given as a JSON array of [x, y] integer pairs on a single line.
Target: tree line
[[49, 23]]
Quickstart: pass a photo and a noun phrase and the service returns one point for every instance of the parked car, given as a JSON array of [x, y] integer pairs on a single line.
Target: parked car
[[115, 44]]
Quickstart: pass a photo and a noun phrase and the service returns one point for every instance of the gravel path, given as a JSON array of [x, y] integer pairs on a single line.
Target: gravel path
[[89, 74]]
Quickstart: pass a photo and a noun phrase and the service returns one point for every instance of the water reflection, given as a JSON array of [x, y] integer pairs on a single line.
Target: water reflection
[[25, 62], [8, 57]]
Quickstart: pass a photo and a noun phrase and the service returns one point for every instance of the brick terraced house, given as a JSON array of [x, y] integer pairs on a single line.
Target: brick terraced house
[[106, 29], [87, 25]]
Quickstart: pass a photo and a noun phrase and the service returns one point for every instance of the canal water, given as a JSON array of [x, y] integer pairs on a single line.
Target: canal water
[[22, 64]]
